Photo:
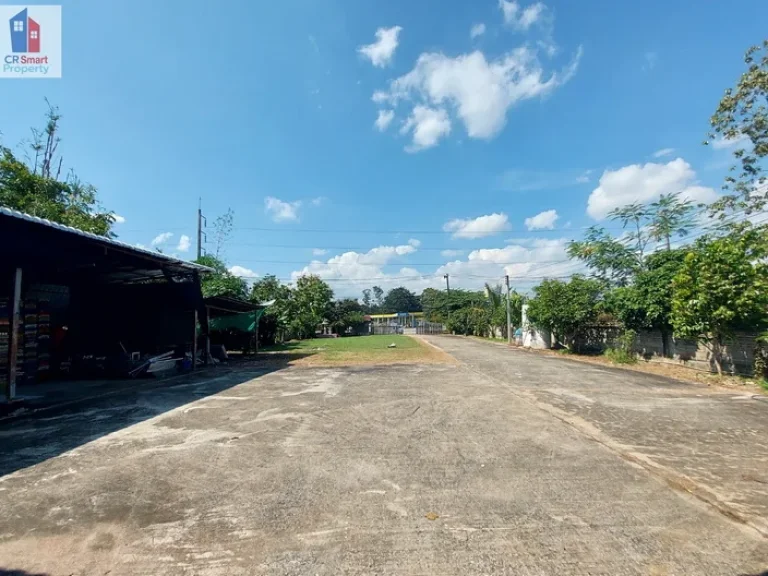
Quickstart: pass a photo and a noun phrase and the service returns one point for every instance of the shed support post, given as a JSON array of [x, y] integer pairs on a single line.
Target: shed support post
[[13, 349], [194, 341], [207, 335]]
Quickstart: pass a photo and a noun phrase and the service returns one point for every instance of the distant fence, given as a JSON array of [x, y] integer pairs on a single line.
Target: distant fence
[[386, 330], [429, 328]]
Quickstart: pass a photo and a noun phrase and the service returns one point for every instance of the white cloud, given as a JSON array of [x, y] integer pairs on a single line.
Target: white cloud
[[118, 219], [451, 253], [663, 152], [725, 143], [384, 119], [362, 269], [380, 53], [428, 126], [645, 183], [650, 61], [542, 221], [584, 177], [414, 242], [525, 263], [242, 272], [282, 211], [184, 243], [479, 227], [319, 252], [478, 91], [477, 30], [521, 19], [162, 238], [318, 200]]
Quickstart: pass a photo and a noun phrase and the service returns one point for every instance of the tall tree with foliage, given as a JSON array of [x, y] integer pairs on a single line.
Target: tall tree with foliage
[[223, 227], [742, 116], [39, 190], [275, 322], [401, 299], [646, 304], [345, 314], [670, 216], [378, 296], [609, 260], [722, 287], [633, 214], [221, 282], [565, 308], [311, 304]]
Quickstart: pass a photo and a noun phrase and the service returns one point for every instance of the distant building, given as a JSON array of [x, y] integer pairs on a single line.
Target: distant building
[[404, 319]]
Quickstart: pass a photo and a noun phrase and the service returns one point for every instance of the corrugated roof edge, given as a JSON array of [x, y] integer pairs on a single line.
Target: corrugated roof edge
[[109, 241]]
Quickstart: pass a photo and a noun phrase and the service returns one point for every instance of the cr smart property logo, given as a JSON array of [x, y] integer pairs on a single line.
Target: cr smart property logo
[[30, 41]]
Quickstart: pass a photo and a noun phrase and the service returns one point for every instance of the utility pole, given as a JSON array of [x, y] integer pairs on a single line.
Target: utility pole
[[200, 219], [447, 284], [509, 314]]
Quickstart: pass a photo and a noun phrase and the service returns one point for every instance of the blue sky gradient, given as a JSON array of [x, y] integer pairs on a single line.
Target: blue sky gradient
[[237, 103]]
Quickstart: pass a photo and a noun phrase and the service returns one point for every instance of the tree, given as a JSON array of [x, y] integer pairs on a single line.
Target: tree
[[222, 231], [634, 213], [565, 308], [610, 260], [401, 300], [646, 304], [378, 296], [497, 308], [742, 116], [275, 321], [344, 314], [367, 300], [722, 287], [310, 305], [669, 216], [221, 282], [37, 190]]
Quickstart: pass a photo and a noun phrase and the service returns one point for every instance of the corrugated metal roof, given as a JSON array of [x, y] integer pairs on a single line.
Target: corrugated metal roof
[[103, 240]]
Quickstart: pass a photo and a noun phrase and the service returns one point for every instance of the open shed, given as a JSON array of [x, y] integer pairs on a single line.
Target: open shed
[[74, 303]]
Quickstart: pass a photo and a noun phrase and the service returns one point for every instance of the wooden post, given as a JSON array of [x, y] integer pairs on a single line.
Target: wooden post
[[207, 335], [10, 387], [194, 342]]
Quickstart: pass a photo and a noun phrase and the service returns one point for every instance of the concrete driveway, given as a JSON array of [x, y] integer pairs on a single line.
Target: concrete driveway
[[434, 469]]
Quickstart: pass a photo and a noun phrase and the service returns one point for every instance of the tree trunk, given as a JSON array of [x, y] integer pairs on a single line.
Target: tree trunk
[[716, 358]]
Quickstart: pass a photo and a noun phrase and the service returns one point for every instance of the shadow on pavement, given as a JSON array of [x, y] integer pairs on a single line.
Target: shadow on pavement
[[34, 438], [5, 572]]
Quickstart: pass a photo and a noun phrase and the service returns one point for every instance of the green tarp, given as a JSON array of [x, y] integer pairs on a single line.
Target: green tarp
[[246, 322]]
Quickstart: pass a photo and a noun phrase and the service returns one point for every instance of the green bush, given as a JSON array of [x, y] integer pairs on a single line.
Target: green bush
[[623, 350]]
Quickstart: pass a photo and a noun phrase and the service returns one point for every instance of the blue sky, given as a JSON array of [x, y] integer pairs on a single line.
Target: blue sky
[[406, 139]]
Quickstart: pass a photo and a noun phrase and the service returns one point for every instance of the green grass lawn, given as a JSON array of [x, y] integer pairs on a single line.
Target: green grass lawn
[[357, 350]]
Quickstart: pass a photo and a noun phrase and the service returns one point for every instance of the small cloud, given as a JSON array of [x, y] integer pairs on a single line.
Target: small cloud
[[542, 221], [242, 272], [725, 143], [521, 19], [650, 61], [318, 200], [380, 53], [184, 243], [414, 242], [162, 238], [477, 30], [282, 211], [118, 219], [479, 227], [663, 152], [429, 125], [319, 252], [451, 253], [584, 177], [384, 119]]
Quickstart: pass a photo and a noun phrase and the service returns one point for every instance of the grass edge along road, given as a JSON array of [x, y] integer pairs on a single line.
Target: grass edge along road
[[360, 350]]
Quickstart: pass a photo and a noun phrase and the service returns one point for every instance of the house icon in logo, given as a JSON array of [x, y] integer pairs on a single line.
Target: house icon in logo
[[25, 33]]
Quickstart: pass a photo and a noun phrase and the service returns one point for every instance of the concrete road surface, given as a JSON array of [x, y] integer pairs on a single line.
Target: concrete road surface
[[444, 470]]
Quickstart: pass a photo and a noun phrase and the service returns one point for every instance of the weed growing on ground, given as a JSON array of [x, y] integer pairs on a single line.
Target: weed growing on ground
[[763, 384], [620, 356]]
